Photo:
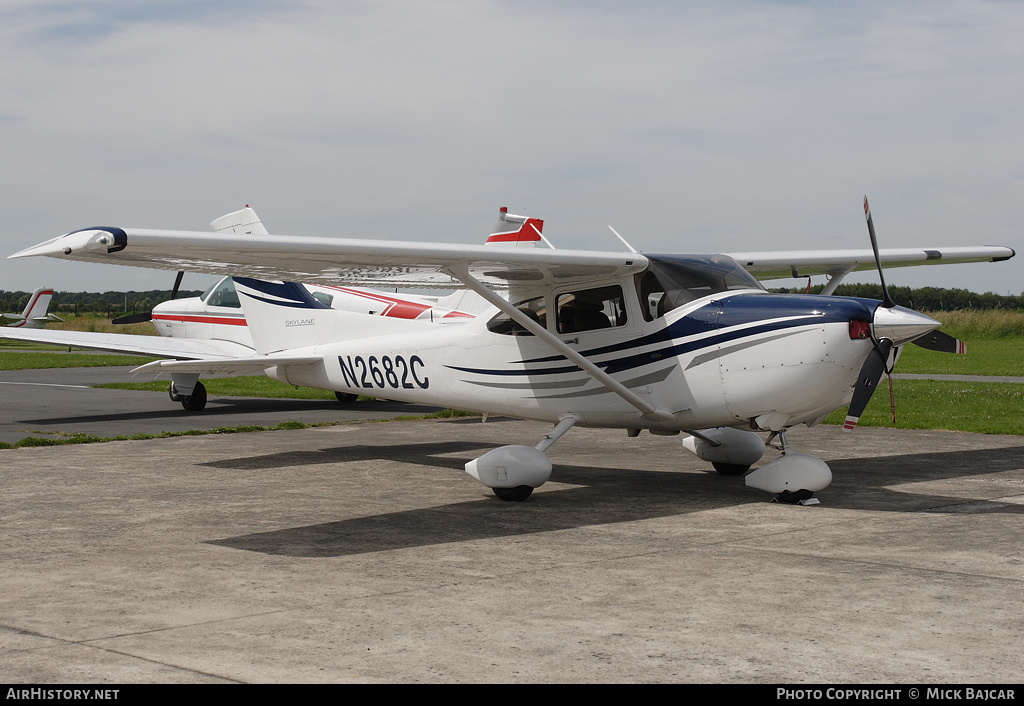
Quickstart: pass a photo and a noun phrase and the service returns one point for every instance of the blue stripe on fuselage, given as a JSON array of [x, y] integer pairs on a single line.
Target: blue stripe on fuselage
[[739, 312]]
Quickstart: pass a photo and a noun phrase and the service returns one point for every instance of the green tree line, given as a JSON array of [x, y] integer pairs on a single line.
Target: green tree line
[[112, 303], [927, 298]]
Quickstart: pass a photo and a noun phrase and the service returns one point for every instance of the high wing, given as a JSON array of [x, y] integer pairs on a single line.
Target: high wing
[[314, 260], [805, 263], [373, 263]]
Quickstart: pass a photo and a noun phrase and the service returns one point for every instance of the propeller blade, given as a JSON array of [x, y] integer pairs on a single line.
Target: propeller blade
[[870, 374], [887, 300], [148, 316], [177, 283], [133, 318], [941, 342]]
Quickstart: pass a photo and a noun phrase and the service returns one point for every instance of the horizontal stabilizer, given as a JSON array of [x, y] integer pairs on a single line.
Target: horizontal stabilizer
[[131, 344], [225, 366]]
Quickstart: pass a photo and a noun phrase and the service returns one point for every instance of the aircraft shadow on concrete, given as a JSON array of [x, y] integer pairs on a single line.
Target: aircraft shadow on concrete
[[602, 496]]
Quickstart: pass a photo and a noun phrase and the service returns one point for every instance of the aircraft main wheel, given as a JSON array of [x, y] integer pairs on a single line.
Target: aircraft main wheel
[[730, 469], [346, 397], [173, 394], [793, 497], [515, 495], [197, 400]]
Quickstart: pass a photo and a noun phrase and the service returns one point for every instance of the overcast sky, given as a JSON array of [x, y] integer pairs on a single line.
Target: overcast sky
[[688, 127]]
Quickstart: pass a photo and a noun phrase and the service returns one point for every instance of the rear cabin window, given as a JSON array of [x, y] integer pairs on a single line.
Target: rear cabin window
[[535, 308]]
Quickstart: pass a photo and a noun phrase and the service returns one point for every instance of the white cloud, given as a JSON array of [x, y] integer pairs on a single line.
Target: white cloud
[[730, 126]]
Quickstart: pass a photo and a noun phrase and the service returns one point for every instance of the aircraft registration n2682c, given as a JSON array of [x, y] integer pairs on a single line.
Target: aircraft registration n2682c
[[634, 341]]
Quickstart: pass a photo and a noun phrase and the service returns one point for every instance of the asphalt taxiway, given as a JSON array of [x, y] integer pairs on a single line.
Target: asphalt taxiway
[[60, 402], [364, 553]]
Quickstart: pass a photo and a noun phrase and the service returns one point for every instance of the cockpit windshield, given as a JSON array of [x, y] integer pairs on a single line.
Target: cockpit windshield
[[222, 294], [673, 280]]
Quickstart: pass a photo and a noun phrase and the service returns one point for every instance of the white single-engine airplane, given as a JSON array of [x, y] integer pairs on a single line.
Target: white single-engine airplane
[[35, 314], [667, 343]]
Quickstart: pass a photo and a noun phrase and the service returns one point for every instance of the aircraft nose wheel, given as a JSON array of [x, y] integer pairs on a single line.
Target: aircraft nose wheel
[[196, 401], [730, 469], [515, 495], [793, 497]]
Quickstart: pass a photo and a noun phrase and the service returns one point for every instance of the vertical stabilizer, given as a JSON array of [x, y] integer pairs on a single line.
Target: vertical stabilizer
[[244, 221], [516, 231], [284, 316], [35, 314]]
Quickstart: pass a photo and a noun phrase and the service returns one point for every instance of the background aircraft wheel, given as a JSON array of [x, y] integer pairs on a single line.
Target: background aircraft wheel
[[793, 497], [730, 469], [197, 400], [173, 394], [517, 494], [346, 397]]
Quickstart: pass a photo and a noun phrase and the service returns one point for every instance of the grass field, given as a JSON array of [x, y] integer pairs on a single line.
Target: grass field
[[242, 386], [983, 407], [25, 360]]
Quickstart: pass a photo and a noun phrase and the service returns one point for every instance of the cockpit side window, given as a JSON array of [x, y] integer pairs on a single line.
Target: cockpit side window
[[535, 308], [652, 295]]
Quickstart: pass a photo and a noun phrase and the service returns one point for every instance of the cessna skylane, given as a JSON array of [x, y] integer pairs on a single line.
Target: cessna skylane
[[35, 314], [627, 340]]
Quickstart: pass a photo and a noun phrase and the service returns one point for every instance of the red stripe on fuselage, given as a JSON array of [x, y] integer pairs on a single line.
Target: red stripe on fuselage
[[229, 320], [397, 308]]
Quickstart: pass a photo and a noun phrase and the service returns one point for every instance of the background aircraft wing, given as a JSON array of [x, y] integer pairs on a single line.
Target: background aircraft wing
[[313, 260], [804, 263], [133, 344]]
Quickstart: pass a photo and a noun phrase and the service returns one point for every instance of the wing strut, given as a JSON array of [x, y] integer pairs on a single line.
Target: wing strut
[[649, 411]]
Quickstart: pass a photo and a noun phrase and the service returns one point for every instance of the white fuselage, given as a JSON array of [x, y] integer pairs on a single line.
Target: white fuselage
[[729, 360]]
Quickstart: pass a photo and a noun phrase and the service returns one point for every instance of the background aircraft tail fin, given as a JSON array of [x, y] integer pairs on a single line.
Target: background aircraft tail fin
[[243, 221], [516, 231], [35, 314]]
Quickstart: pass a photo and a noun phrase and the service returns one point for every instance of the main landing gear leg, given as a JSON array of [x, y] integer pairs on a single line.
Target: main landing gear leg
[[194, 402], [793, 477]]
